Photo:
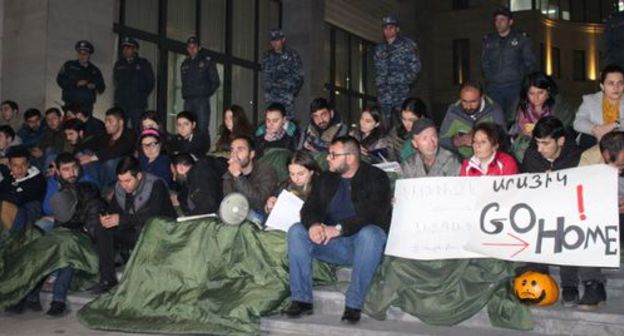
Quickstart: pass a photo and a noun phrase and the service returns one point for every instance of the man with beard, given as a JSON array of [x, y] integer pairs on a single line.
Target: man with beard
[[472, 108], [344, 221], [116, 143], [324, 127], [254, 180], [199, 184], [76, 207], [67, 172]]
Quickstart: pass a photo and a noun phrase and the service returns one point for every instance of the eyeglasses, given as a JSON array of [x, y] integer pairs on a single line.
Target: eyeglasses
[[150, 144], [333, 155]]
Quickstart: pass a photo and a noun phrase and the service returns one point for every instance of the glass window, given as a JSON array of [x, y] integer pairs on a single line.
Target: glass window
[[242, 90], [461, 4], [181, 19], [577, 10], [269, 19], [212, 25], [461, 60], [341, 78], [341, 106], [593, 11], [520, 5], [621, 5], [565, 10], [243, 27], [371, 88], [150, 52], [175, 102], [357, 65], [142, 14], [579, 66]]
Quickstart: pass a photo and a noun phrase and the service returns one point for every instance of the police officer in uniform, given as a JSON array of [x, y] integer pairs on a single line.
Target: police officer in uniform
[[200, 80], [282, 73], [614, 40], [507, 57], [134, 81], [80, 80], [397, 65]]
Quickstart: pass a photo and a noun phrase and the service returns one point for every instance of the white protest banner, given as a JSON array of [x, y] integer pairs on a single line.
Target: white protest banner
[[285, 213], [566, 217], [431, 218]]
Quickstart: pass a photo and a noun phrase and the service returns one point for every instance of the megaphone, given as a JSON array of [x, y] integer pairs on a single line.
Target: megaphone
[[234, 209]]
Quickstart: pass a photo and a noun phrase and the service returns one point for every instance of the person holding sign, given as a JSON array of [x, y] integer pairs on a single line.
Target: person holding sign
[[610, 150], [430, 159], [552, 149], [301, 170], [488, 158], [344, 221]]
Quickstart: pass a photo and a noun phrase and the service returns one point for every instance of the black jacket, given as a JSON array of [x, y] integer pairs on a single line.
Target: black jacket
[[198, 145], [569, 157], [199, 76], [71, 72], [109, 149], [30, 188], [90, 204], [370, 194], [134, 81], [203, 190]]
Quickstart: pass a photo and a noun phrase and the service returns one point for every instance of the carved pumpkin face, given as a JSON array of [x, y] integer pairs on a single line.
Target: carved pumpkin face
[[536, 289]]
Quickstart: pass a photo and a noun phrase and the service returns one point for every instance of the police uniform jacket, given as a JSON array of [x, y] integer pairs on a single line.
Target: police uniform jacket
[[506, 60], [283, 71], [134, 81], [71, 72], [199, 76]]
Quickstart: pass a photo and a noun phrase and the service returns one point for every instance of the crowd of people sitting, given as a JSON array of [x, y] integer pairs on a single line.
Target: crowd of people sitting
[[105, 179]]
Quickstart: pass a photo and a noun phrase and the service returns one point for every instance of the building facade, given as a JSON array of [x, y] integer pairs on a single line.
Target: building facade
[[333, 37]]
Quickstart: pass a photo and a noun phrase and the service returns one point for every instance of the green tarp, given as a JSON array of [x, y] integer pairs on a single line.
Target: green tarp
[[447, 292], [198, 277], [27, 259], [205, 277]]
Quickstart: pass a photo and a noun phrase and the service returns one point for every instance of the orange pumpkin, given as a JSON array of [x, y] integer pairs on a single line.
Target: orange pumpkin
[[536, 289]]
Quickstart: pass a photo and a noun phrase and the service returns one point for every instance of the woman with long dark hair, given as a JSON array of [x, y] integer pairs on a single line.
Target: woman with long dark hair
[[235, 123], [301, 170], [374, 145]]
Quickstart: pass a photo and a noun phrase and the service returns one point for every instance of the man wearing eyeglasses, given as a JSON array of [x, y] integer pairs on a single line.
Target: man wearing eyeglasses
[[80, 80], [344, 221]]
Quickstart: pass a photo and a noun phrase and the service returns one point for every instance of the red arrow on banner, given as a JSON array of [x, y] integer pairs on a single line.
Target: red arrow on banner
[[520, 243]]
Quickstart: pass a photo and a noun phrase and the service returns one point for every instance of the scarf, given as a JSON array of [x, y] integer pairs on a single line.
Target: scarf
[[531, 116], [610, 113], [270, 137]]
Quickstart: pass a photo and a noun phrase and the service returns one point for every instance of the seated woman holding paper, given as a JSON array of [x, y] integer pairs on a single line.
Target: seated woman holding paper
[[488, 157], [371, 134], [301, 169]]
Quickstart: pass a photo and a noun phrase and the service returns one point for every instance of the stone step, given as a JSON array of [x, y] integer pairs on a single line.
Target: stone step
[[330, 325], [553, 320]]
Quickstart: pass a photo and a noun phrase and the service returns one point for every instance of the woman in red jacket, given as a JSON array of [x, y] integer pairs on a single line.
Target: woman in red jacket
[[488, 158]]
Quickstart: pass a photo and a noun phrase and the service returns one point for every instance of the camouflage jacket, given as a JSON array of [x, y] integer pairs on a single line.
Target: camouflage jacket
[[397, 65], [282, 71]]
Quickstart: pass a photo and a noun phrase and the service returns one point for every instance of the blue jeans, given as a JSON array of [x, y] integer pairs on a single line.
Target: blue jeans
[[362, 250], [200, 106], [507, 97], [63, 275]]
